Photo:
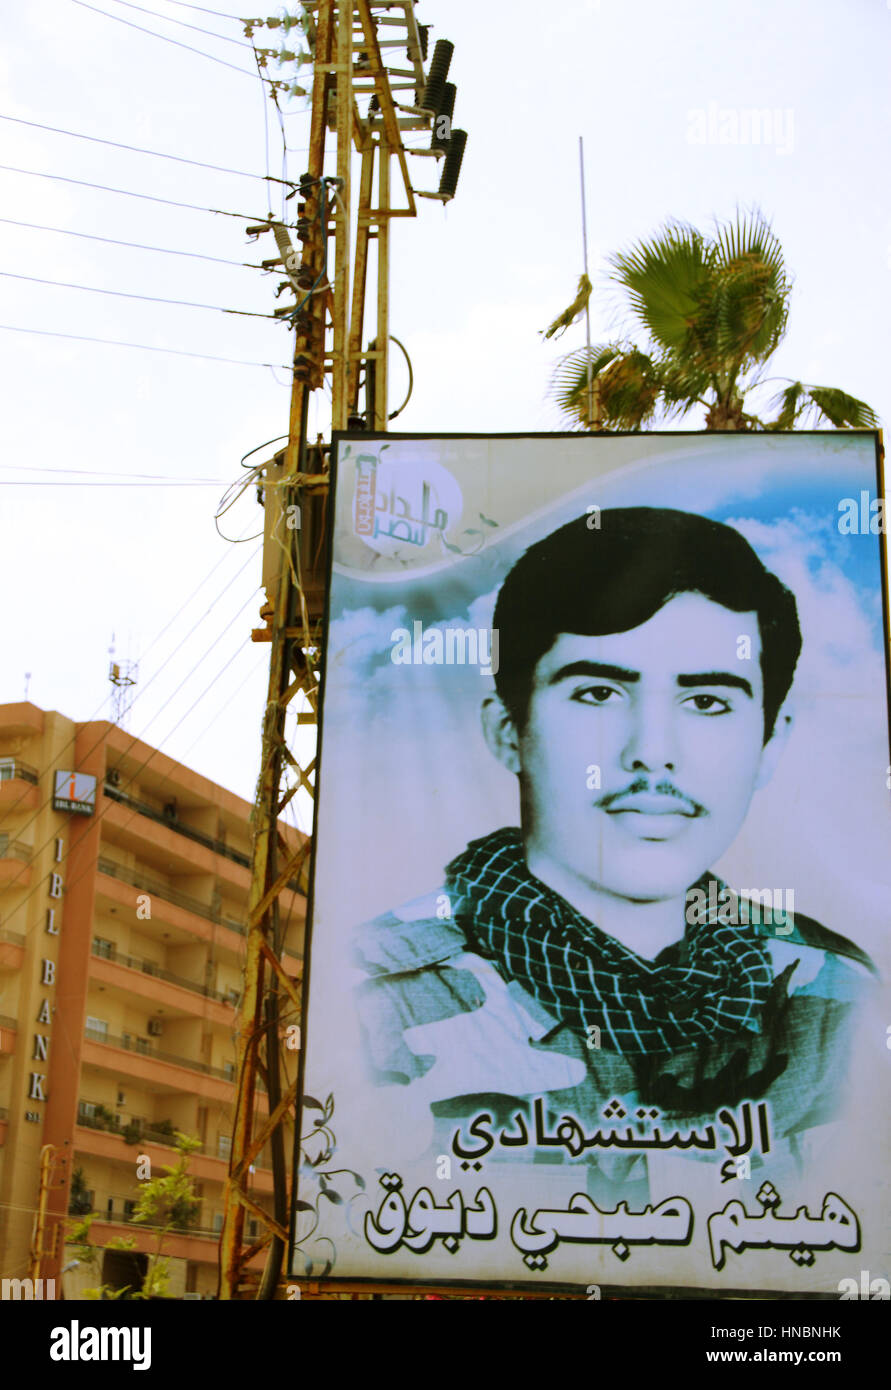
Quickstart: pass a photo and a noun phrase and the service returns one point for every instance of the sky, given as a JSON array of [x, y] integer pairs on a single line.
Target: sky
[[113, 459]]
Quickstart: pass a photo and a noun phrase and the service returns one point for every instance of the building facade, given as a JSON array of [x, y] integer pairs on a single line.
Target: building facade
[[124, 881]]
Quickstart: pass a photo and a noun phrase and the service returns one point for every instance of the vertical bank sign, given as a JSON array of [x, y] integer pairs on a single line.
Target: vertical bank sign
[[601, 884]]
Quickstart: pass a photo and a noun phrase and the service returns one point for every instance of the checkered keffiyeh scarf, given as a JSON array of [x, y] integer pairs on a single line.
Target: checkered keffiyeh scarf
[[586, 977]]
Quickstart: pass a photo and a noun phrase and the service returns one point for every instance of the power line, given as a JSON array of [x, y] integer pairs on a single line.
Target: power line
[[25, 482], [127, 294], [138, 738], [224, 38], [166, 39], [151, 646], [98, 473], [133, 149], [134, 245], [129, 193], [218, 14], [141, 347], [143, 765]]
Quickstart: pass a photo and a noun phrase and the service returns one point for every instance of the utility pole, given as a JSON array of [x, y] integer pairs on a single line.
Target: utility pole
[[354, 91]]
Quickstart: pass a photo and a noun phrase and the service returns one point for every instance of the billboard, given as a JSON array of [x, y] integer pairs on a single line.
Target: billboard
[[74, 792], [599, 911]]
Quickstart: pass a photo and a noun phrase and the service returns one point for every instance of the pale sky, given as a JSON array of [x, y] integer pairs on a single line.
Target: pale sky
[[643, 82]]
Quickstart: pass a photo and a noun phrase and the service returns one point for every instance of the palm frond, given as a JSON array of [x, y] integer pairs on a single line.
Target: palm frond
[[665, 278], [840, 409], [790, 405]]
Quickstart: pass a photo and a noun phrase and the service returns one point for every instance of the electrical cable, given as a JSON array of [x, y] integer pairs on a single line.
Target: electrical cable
[[147, 298], [141, 347], [134, 245], [42, 772], [165, 38], [39, 886], [95, 472], [218, 14], [129, 193], [133, 149], [224, 38], [151, 646]]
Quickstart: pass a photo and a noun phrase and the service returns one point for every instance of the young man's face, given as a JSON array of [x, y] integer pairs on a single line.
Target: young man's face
[[671, 717]]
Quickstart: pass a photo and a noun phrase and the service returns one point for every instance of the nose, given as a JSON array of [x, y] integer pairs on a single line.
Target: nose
[[651, 745]]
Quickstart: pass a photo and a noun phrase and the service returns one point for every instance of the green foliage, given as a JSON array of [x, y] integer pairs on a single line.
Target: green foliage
[[170, 1201], [79, 1200], [714, 310]]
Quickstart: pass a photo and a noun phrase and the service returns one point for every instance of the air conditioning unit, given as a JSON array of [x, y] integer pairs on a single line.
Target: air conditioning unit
[[155, 1028]]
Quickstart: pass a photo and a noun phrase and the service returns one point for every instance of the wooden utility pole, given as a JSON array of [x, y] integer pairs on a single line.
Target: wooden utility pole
[[349, 74]]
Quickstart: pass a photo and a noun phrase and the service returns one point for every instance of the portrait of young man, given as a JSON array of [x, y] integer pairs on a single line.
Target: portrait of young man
[[588, 956]]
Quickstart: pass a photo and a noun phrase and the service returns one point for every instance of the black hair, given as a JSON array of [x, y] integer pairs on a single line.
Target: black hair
[[595, 579]]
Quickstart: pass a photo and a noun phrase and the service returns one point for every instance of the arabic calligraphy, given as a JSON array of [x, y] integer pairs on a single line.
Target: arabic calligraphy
[[734, 1228], [393, 518], [419, 1224], [583, 1222], [416, 1224], [569, 1134]]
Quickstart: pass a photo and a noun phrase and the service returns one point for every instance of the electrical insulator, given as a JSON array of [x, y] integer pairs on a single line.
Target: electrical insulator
[[451, 165], [442, 129], [439, 71], [424, 34]]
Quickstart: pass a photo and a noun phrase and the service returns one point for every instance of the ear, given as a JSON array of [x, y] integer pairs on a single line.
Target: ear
[[500, 733], [775, 745]]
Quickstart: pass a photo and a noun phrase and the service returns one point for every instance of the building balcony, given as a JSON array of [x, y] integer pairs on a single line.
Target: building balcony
[[12, 950], [95, 1137], [155, 985], [144, 1062], [199, 1245], [18, 786], [15, 863], [8, 1035], [22, 720], [156, 887]]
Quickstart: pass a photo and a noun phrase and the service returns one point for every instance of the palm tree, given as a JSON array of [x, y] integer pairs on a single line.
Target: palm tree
[[714, 310]]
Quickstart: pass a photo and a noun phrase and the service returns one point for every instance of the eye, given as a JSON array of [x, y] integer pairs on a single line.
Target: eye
[[596, 695], [708, 704]]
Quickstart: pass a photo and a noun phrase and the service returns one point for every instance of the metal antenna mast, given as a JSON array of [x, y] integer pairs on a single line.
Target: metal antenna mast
[[354, 89]]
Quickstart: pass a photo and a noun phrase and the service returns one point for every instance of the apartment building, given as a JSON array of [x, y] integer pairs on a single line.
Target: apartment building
[[124, 881]]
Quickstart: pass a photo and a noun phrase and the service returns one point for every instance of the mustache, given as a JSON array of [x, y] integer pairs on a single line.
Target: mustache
[[645, 785]]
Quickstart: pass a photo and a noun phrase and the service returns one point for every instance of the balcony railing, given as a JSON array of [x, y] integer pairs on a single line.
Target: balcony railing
[[144, 1131], [218, 846], [6, 1022], [146, 1049], [172, 823], [12, 938], [171, 895], [149, 967], [11, 768], [15, 849]]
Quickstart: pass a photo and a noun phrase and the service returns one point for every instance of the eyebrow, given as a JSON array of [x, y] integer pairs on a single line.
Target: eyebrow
[[621, 673]]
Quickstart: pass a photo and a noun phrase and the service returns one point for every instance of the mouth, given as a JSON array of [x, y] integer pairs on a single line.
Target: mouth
[[652, 804], [653, 816]]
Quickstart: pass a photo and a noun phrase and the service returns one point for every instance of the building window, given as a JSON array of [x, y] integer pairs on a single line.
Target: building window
[[229, 1069], [87, 1108], [7, 769], [97, 1025], [217, 1222], [224, 1145], [103, 948]]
